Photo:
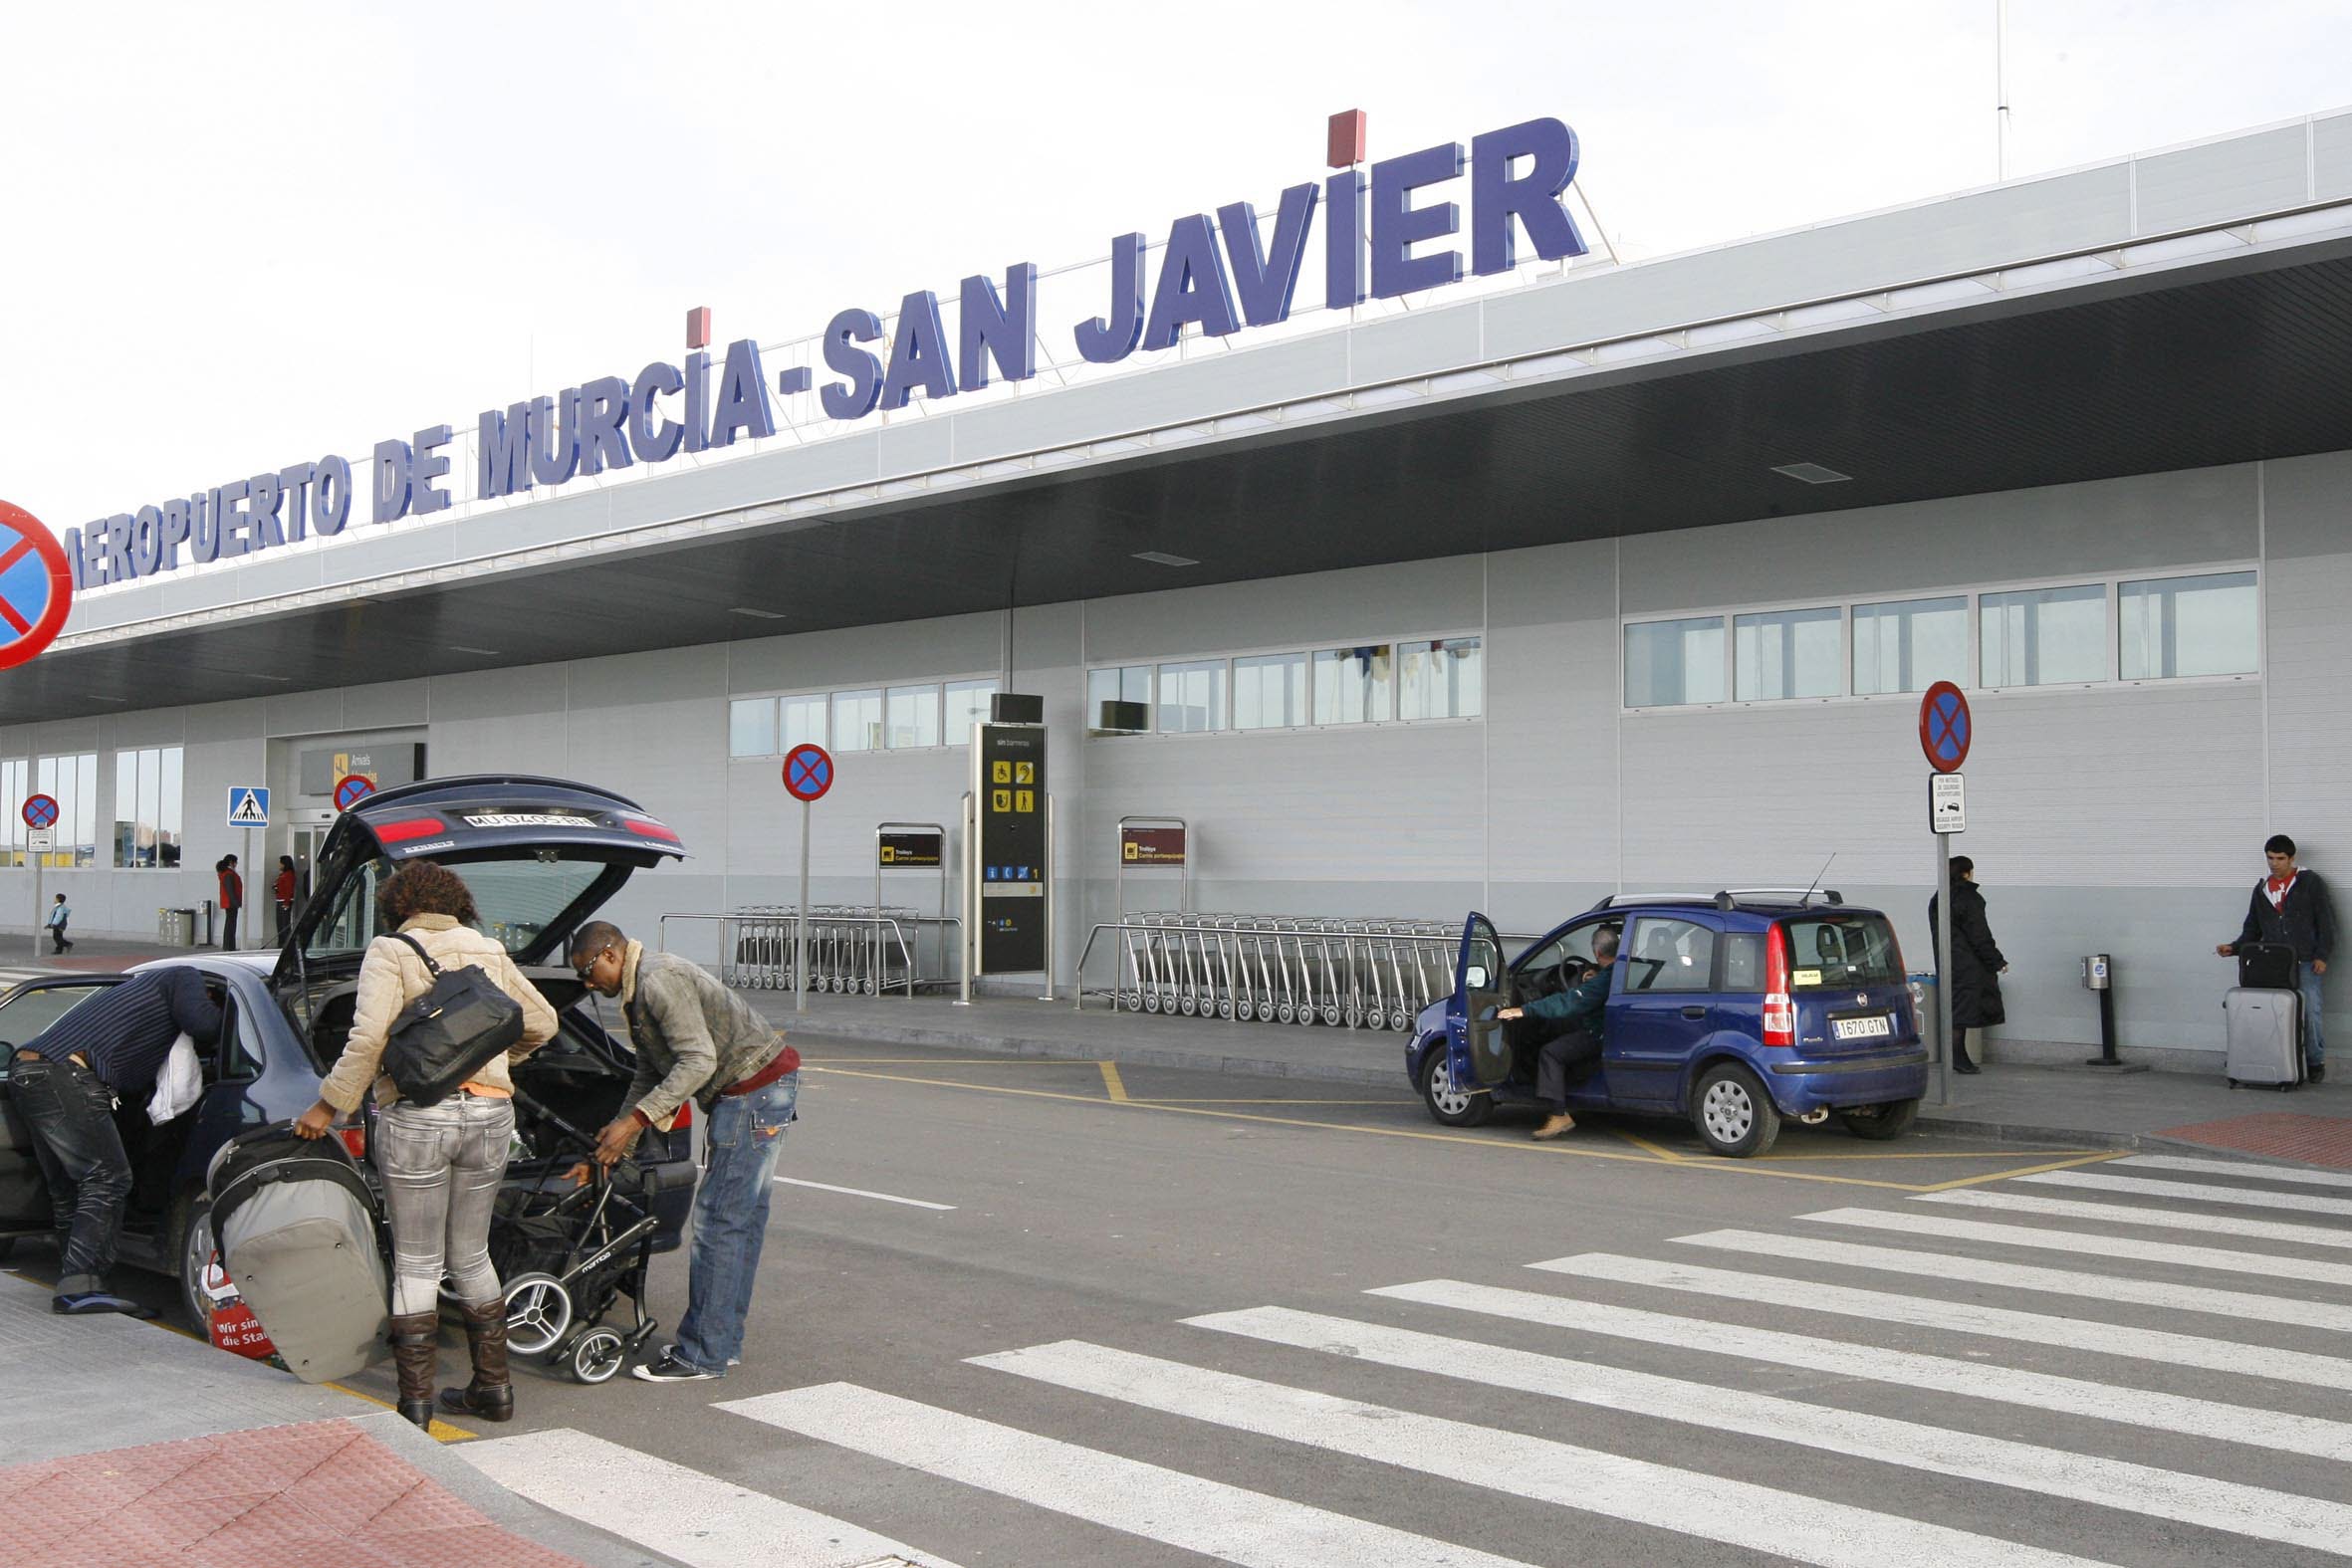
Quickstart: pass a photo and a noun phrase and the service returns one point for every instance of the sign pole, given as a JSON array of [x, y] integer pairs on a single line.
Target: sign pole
[[967, 920], [1047, 869], [1946, 731], [36, 859], [801, 924], [1946, 1046]]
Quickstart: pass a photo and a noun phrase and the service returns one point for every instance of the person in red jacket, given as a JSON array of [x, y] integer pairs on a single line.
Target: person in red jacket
[[232, 899], [283, 891]]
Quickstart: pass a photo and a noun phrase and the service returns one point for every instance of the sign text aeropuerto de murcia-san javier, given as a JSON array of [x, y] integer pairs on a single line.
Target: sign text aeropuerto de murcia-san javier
[[1217, 273]]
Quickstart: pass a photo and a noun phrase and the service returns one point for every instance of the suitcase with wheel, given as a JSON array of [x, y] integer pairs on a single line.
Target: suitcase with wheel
[[297, 1229], [2263, 1037]]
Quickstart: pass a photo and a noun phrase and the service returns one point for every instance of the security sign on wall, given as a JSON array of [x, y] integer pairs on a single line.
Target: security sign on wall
[[36, 586]]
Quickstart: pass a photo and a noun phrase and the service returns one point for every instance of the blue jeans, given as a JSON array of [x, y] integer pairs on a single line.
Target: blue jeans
[[745, 1136], [2314, 1050]]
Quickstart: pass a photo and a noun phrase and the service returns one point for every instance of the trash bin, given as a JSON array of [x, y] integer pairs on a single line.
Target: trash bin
[[1922, 1000], [175, 928]]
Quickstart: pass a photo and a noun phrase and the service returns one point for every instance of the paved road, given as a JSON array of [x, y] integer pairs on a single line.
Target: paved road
[[1164, 1318]]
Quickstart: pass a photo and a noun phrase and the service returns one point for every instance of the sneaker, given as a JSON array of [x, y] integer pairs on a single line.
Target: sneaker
[[670, 1367], [1554, 1125], [89, 1302], [2318, 1072]]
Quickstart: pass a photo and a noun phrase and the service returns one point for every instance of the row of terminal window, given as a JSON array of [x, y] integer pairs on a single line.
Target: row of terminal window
[[147, 808], [868, 718], [2157, 629], [1436, 678]]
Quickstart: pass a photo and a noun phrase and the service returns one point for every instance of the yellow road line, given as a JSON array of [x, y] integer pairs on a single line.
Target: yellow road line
[[1179, 1099], [1930, 1154], [2031, 1170], [952, 1062], [1110, 1083], [1522, 1146], [1659, 1150]]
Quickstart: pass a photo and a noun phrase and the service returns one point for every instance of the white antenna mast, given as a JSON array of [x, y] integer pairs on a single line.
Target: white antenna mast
[[2001, 90]]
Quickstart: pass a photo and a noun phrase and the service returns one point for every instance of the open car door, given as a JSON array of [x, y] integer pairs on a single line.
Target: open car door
[[1480, 1053]]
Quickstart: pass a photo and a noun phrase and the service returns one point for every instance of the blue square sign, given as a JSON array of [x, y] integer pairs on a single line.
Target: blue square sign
[[249, 805]]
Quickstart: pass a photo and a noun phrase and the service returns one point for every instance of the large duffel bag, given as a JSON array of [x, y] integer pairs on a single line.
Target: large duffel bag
[[296, 1227]]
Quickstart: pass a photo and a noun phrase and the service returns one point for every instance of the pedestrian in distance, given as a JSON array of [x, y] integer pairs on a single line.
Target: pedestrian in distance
[[66, 1082], [441, 1163], [696, 1039], [282, 890], [1977, 964], [2291, 908], [58, 913], [1572, 1054], [232, 899]]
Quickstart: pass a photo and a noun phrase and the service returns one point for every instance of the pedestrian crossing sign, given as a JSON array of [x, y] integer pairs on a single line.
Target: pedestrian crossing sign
[[249, 805]]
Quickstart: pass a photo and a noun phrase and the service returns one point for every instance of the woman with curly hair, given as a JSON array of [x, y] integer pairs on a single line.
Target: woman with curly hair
[[442, 1163]]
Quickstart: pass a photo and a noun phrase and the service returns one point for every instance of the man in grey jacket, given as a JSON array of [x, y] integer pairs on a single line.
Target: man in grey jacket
[[697, 1040]]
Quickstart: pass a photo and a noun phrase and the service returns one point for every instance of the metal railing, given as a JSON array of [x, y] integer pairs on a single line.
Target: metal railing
[[1275, 969], [853, 949]]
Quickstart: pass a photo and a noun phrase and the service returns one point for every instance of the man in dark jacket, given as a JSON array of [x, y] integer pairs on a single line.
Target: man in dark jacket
[[2291, 908], [697, 1040], [65, 1081], [1572, 1054], [1977, 964]]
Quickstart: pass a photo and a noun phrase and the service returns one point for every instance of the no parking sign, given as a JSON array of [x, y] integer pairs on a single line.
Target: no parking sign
[[36, 586]]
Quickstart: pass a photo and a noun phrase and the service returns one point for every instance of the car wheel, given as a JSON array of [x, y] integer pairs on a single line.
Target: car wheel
[[193, 1227], [1451, 1105], [1881, 1122], [1732, 1112]]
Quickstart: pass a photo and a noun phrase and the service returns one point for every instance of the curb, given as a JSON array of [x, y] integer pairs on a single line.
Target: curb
[[1203, 1060]]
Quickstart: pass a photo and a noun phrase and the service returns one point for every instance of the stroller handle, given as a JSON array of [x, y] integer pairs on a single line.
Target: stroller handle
[[647, 1177]]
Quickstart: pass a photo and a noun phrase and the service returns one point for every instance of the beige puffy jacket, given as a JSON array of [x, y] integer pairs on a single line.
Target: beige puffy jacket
[[392, 976]]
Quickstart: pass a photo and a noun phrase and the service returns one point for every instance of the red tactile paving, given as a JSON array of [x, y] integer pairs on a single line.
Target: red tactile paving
[[2283, 1135], [318, 1493]]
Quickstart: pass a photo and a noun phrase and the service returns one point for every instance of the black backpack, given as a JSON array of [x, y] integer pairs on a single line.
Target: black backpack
[[449, 1034]]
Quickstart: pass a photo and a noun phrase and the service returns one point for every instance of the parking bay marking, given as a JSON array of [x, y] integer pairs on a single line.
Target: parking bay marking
[[2316, 1435], [1514, 1146], [859, 1192], [1961, 1318], [1169, 1506], [2241, 1509], [1587, 1481]]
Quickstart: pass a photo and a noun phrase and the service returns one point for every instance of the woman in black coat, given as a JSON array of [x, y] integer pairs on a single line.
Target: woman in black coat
[[1977, 964]]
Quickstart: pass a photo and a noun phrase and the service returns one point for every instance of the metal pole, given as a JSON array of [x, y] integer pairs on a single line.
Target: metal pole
[[801, 924], [34, 857], [2000, 89], [245, 874], [967, 930], [1945, 1052], [1048, 871]]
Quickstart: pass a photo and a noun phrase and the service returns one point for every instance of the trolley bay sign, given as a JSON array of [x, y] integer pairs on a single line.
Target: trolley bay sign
[[1218, 273]]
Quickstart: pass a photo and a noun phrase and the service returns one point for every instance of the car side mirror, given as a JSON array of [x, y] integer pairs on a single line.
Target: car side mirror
[[1475, 978]]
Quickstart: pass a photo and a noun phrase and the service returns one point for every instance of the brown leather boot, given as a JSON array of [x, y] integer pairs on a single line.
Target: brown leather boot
[[416, 1350], [1554, 1125], [490, 1396]]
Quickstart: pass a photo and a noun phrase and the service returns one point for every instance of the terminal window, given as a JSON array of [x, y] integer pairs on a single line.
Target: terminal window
[[1909, 644], [967, 705], [1355, 685], [914, 717], [1269, 691], [73, 780], [800, 722], [1128, 689], [2044, 636], [751, 727], [1787, 653], [858, 721], [16, 781], [1441, 679], [1192, 696], [1673, 663], [2203, 625], [147, 808]]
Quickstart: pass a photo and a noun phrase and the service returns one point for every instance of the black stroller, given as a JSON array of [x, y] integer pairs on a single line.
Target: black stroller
[[566, 1251]]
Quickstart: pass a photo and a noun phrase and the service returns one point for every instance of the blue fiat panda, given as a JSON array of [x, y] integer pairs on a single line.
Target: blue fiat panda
[[1738, 1011]]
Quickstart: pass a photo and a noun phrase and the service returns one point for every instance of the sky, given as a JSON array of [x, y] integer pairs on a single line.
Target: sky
[[240, 235]]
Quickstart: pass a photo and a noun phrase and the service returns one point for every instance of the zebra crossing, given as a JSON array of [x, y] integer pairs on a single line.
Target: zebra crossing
[[2169, 1389]]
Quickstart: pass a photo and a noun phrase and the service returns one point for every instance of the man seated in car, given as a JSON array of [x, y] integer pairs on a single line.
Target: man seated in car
[[1573, 1053]]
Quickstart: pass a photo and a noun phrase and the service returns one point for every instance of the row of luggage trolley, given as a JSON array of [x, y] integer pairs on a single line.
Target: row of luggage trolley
[[853, 949], [1271, 969]]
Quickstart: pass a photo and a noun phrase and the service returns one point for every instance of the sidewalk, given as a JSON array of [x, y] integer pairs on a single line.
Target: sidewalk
[[2079, 1106], [125, 1444]]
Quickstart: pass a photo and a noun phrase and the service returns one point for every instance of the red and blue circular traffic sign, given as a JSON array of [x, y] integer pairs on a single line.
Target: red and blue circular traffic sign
[[40, 810], [353, 788], [1944, 728], [808, 772], [36, 586]]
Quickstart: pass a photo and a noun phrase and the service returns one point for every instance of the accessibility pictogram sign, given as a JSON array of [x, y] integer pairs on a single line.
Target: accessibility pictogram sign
[[808, 772], [1944, 728], [36, 586], [249, 805], [354, 789], [40, 810]]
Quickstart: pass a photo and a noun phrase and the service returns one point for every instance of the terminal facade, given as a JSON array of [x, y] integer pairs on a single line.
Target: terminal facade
[[1599, 579]]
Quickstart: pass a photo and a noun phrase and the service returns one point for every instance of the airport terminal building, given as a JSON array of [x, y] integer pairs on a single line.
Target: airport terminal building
[[1414, 573]]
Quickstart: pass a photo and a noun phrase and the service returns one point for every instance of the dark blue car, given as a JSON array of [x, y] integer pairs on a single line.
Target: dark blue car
[[1736, 1011], [539, 855]]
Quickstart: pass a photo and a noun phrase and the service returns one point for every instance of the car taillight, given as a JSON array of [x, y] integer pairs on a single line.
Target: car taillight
[[1779, 1010], [354, 1140], [409, 827]]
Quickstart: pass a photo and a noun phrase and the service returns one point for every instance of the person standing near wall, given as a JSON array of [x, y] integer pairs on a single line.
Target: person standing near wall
[[1977, 964], [283, 892], [58, 913], [232, 899], [2291, 908]]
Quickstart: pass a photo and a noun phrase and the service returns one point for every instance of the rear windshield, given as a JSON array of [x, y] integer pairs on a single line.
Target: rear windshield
[[516, 899], [1841, 949]]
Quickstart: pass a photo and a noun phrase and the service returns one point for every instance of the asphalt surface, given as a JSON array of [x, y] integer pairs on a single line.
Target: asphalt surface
[[1011, 1377]]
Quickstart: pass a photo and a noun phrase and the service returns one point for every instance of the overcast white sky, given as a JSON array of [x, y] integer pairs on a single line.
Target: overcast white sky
[[242, 235]]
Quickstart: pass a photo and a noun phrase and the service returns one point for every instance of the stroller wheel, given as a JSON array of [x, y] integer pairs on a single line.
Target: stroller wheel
[[598, 1354], [538, 1312]]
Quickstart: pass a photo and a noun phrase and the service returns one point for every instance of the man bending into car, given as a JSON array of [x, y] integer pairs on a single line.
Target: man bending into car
[[696, 1039], [1571, 1055], [67, 1080]]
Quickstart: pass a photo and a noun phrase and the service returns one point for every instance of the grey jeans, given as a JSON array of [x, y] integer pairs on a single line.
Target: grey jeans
[[441, 1167]]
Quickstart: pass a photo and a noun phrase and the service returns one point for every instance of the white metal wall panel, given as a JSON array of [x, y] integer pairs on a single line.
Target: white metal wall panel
[[304, 713], [388, 703], [1406, 600], [2332, 158], [2222, 180], [867, 655]]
